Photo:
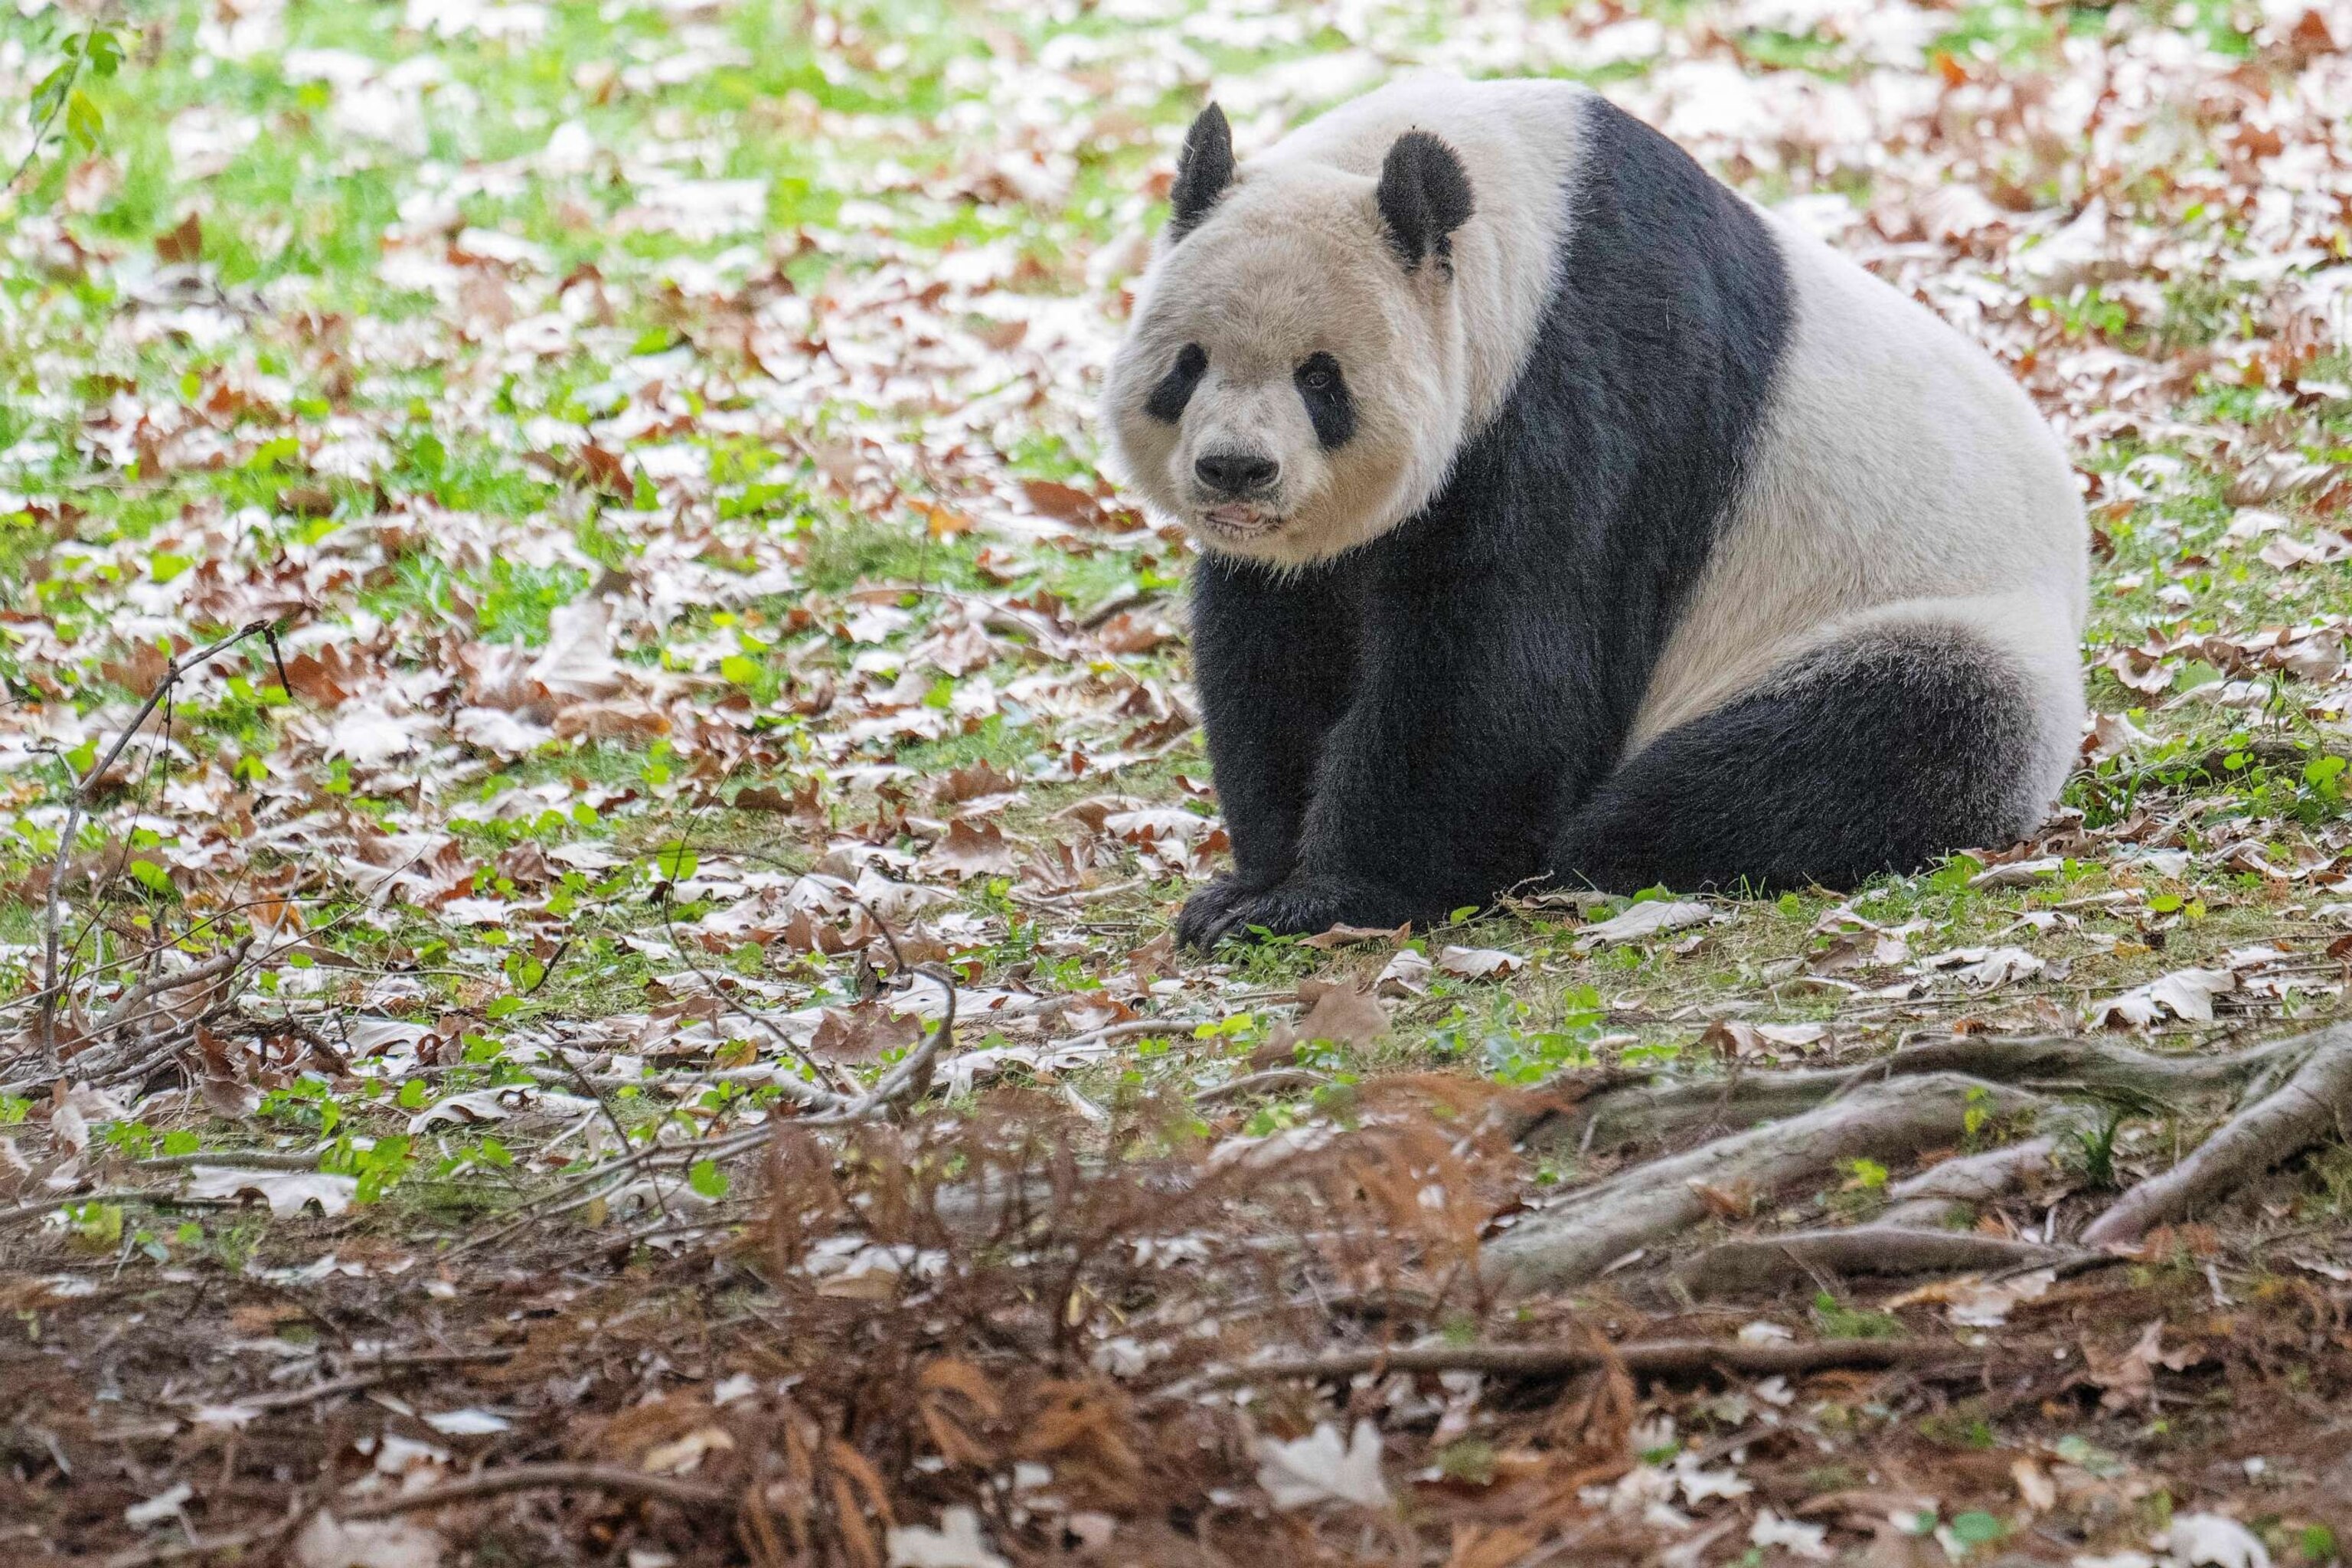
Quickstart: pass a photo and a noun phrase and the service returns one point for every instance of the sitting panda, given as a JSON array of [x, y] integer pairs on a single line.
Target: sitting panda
[[1566, 517]]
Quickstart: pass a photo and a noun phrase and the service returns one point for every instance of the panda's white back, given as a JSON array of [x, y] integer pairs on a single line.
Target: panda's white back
[[1900, 475]]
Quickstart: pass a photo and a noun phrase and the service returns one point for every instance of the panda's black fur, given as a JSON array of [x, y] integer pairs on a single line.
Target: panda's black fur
[[1441, 713]]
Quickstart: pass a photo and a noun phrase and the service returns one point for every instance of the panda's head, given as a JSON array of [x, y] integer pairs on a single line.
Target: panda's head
[[1293, 383]]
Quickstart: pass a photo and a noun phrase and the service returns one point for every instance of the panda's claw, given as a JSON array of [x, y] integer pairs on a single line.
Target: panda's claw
[[1300, 907], [1208, 915]]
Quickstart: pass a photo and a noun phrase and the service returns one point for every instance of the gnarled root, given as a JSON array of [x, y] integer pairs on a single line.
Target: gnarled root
[[2316, 1102], [1656, 1202], [1948, 1191], [1766, 1262], [1643, 1112]]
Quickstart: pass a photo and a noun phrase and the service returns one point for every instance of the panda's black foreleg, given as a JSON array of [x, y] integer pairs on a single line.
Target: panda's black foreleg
[[1274, 657], [1878, 755], [1437, 787]]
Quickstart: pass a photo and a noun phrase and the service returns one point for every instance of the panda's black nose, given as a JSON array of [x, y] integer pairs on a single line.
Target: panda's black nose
[[1235, 473]]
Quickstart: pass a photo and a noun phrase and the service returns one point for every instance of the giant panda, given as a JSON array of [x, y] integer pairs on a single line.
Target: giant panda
[[1566, 519]]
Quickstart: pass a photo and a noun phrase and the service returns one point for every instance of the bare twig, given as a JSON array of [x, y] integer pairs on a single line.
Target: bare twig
[[368, 1374], [1657, 1358], [538, 1477], [1273, 1081], [78, 804]]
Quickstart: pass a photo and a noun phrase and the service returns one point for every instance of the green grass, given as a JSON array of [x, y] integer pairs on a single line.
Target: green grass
[[881, 159]]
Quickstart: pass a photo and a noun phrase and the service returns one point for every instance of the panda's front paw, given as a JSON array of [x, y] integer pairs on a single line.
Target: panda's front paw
[[1300, 907], [1206, 916]]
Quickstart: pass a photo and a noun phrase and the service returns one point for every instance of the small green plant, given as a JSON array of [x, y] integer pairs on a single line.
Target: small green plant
[[59, 95], [1839, 1322], [2095, 1149]]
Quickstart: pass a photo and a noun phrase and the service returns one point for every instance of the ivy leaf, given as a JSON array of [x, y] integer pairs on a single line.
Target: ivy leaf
[[84, 124]]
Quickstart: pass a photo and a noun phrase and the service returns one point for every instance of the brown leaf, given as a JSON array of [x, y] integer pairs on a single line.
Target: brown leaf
[[2128, 1378], [1336, 1011], [1340, 936], [862, 1033], [1156, 959], [1128, 632], [972, 850], [1731, 1040], [973, 782], [1736, 1201], [181, 245], [1065, 503], [805, 802]]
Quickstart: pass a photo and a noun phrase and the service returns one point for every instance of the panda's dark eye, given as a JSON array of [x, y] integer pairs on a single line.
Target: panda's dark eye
[[1328, 406], [1174, 390]]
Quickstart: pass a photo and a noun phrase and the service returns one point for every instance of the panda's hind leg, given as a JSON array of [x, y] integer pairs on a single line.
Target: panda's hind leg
[[1878, 752]]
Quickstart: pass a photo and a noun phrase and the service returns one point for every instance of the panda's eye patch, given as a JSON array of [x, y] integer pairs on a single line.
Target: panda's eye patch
[[1329, 407], [1174, 390]]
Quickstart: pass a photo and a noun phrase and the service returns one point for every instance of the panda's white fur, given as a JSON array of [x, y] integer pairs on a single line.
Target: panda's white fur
[[1297, 258], [1901, 478], [1898, 483]]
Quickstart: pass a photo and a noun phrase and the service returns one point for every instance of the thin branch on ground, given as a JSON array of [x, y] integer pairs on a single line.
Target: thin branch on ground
[[78, 804], [536, 1477], [1657, 1358]]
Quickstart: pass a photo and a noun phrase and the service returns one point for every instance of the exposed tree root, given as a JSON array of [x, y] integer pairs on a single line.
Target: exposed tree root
[[1650, 1113], [2093, 1067], [1922, 1098], [2313, 1103], [1656, 1202], [1766, 1262], [1954, 1189], [1654, 1112]]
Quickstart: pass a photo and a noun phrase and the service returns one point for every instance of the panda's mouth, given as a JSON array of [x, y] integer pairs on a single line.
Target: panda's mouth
[[1240, 520]]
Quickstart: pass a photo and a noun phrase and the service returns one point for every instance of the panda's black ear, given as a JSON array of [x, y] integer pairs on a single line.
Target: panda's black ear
[[1204, 170], [1424, 196]]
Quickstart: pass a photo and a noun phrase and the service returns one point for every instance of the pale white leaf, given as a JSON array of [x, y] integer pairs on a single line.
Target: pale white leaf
[[1644, 921], [1792, 1536], [163, 1505], [470, 1421], [1319, 1467], [285, 1191], [2214, 1541], [329, 1542], [1479, 962], [2185, 993], [956, 1543]]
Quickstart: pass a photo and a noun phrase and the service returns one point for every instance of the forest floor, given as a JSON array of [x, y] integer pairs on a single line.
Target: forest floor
[[500, 1100]]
